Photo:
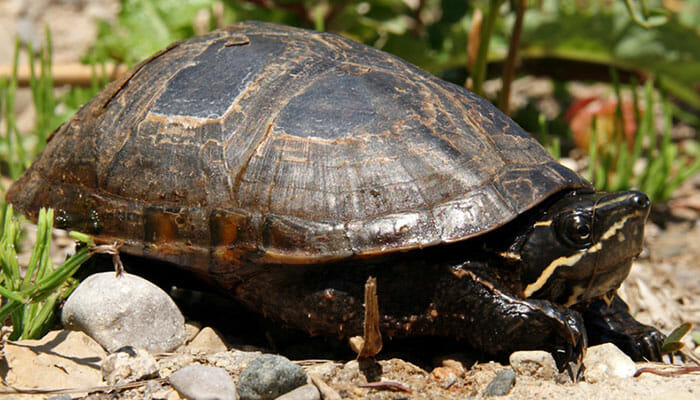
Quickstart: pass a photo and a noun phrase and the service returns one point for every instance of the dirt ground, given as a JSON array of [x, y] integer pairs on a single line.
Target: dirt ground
[[663, 288]]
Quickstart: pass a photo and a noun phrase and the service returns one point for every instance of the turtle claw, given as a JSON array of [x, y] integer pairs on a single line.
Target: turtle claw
[[647, 344], [570, 336], [613, 323]]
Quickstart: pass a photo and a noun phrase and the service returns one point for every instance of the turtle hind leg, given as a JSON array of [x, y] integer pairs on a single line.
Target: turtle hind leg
[[613, 324]]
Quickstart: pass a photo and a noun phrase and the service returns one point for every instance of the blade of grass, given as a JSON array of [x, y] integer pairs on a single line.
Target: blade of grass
[[38, 248]]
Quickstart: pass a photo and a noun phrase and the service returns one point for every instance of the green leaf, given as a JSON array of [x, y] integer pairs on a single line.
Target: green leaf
[[677, 334]]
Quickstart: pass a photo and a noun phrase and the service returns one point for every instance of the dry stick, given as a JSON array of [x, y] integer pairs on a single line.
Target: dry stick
[[511, 60], [91, 389], [66, 74], [386, 385], [327, 392], [113, 250], [666, 372], [371, 342]]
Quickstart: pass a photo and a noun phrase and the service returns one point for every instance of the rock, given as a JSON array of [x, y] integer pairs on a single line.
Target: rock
[[445, 376], [455, 365], [350, 371], [234, 362], [305, 392], [269, 376], [129, 366], [60, 397], [191, 331], [167, 366], [60, 360], [125, 311], [607, 361], [325, 370], [501, 384], [166, 394], [201, 382], [207, 341], [536, 363]]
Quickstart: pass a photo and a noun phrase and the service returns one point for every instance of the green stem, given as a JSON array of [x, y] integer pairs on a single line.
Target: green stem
[[479, 72], [509, 65]]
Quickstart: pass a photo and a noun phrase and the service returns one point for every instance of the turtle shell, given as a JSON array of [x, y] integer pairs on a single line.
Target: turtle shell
[[266, 143]]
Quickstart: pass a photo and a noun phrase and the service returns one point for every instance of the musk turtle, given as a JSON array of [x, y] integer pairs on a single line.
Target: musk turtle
[[286, 166]]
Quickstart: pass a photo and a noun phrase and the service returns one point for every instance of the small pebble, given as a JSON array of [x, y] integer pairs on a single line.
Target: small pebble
[[607, 361], [168, 365], [269, 376], [191, 330], [234, 361], [305, 392], [536, 363], [128, 366], [207, 341], [324, 370], [201, 382], [501, 384], [125, 311], [60, 397]]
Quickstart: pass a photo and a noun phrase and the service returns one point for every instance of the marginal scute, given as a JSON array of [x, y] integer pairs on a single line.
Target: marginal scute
[[288, 237], [277, 143]]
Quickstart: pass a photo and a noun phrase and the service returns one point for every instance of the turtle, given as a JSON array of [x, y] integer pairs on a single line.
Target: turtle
[[286, 166]]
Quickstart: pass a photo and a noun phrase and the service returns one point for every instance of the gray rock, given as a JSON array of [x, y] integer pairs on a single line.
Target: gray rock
[[305, 392], [125, 311], [606, 361], [201, 382], [501, 384], [269, 376], [537, 363], [129, 366]]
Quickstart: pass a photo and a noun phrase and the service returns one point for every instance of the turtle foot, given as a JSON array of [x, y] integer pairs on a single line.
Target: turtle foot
[[613, 324]]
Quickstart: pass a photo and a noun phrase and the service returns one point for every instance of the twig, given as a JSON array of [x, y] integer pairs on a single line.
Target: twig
[[371, 342], [104, 389], [112, 249], [511, 60], [66, 74], [666, 372], [387, 385], [327, 392]]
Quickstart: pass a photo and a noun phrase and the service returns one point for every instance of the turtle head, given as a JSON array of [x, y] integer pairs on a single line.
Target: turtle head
[[582, 245]]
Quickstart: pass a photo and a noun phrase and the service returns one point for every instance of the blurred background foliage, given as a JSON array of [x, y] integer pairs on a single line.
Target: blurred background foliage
[[433, 34]]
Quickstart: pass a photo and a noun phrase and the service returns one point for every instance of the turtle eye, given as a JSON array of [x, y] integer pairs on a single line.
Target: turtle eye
[[575, 229]]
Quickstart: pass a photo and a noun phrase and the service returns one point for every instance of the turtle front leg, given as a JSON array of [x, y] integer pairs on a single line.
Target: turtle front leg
[[501, 323], [613, 323]]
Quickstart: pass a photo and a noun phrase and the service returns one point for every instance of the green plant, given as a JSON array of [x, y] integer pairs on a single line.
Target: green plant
[[41, 84], [14, 155], [673, 341], [32, 298], [612, 165]]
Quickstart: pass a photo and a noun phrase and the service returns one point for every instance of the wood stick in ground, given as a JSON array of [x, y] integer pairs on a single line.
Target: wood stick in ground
[[74, 74]]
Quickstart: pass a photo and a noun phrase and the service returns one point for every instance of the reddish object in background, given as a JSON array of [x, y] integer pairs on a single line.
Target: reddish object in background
[[580, 118]]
